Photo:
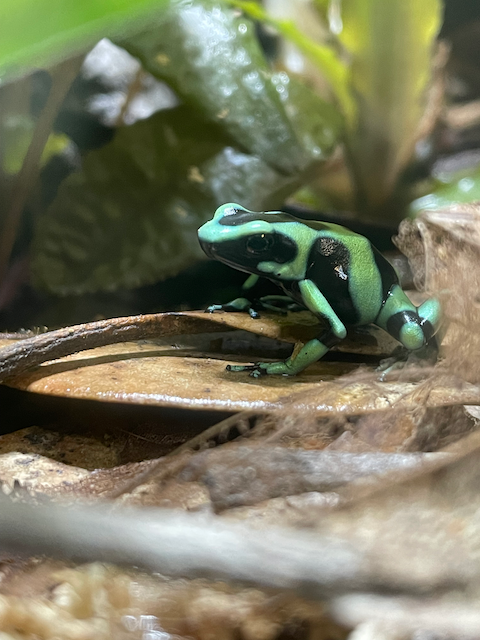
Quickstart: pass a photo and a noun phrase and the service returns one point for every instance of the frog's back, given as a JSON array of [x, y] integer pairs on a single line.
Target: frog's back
[[352, 275]]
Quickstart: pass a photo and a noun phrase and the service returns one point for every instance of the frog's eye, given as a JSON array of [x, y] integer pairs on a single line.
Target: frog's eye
[[259, 243]]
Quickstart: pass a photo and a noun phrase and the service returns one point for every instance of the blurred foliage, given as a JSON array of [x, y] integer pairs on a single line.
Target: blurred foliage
[[36, 32], [391, 46], [126, 199], [460, 187], [130, 216], [379, 80]]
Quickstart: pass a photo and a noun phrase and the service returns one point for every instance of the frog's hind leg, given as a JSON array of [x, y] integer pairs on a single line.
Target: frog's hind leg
[[431, 316], [312, 351], [411, 326], [414, 328]]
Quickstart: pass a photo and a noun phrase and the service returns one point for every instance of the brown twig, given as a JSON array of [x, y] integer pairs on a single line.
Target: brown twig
[[133, 89]]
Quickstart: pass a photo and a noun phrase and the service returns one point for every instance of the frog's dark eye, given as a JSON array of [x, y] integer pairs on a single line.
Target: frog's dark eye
[[259, 243]]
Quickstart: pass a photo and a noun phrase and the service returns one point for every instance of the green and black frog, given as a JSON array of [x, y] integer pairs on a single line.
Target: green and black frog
[[335, 273]]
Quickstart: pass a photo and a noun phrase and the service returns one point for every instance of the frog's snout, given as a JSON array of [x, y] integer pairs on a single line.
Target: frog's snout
[[205, 240]]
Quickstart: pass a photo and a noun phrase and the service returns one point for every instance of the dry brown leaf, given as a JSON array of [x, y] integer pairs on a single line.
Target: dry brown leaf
[[444, 248], [378, 616], [156, 375], [416, 531], [79, 450]]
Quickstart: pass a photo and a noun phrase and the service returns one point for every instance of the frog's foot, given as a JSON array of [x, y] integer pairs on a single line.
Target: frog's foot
[[264, 368], [426, 356], [301, 358], [395, 362], [240, 305], [273, 303], [278, 304]]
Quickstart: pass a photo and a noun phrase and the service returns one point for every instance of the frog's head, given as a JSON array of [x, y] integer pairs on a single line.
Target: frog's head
[[245, 239]]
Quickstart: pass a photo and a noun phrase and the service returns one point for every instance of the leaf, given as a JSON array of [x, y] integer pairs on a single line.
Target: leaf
[[131, 215], [323, 56], [191, 373], [36, 32], [227, 474], [211, 57], [390, 44], [462, 187]]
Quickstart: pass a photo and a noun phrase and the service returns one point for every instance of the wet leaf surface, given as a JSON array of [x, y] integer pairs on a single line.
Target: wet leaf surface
[[211, 56]]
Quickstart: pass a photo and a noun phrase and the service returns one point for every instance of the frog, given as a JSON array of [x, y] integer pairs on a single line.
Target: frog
[[335, 273]]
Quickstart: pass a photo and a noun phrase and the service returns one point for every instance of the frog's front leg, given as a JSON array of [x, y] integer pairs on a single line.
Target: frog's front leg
[[274, 303], [239, 304], [312, 350]]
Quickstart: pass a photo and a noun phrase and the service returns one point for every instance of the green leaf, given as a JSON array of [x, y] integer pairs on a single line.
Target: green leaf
[[323, 56], [211, 57], [36, 32], [463, 187], [390, 44], [130, 216]]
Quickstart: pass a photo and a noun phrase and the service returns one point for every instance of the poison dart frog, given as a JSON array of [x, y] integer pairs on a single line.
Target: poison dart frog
[[335, 273]]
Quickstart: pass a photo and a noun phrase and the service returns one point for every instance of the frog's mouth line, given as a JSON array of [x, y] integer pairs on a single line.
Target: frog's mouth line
[[207, 248], [211, 251]]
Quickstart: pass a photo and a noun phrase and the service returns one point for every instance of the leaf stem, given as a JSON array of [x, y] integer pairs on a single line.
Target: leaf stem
[[62, 76]]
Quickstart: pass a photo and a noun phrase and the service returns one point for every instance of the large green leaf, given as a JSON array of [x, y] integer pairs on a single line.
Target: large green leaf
[[390, 44], [35, 32], [211, 57], [130, 216]]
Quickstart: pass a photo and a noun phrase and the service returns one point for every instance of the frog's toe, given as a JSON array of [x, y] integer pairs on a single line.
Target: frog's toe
[[276, 368], [255, 370], [426, 356], [214, 307], [389, 365], [260, 368], [241, 367]]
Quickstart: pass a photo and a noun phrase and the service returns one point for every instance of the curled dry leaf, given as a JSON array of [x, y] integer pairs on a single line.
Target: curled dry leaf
[[155, 371], [445, 245]]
